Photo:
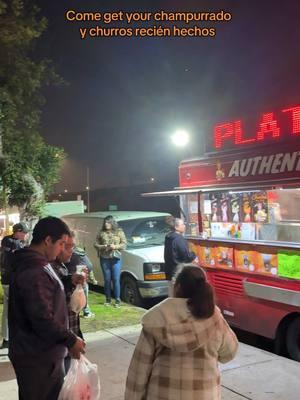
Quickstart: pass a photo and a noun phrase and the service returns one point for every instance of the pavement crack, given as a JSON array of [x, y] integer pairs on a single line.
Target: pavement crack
[[120, 337], [246, 365], [235, 392]]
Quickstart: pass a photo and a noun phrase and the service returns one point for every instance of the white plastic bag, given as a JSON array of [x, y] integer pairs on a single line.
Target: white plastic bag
[[82, 381], [78, 299]]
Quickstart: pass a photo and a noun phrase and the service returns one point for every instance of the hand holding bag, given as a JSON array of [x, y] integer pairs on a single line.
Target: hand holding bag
[[81, 382], [78, 299]]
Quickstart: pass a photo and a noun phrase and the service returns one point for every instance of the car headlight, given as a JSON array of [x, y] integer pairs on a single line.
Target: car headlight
[[154, 271]]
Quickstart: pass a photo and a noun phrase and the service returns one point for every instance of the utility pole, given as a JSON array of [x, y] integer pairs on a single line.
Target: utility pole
[[88, 188]]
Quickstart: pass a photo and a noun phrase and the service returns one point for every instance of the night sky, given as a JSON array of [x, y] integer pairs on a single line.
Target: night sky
[[126, 96]]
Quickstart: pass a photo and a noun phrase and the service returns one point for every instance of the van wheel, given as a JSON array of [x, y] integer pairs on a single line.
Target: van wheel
[[129, 291], [293, 339]]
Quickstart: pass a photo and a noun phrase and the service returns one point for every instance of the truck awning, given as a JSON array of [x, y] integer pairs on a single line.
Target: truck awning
[[170, 193], [256, 186]]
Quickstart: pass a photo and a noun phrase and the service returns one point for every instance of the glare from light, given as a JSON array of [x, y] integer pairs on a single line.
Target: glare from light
[[152, 179], [180, 138]]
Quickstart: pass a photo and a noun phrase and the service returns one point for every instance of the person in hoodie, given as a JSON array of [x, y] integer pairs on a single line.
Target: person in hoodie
[[39, 337], [176, 250], [182, 340]]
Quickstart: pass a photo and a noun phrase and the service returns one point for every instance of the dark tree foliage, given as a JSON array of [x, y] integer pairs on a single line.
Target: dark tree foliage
[[29, 167]]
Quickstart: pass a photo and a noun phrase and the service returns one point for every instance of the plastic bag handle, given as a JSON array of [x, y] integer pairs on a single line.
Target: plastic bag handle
[[84, 359]]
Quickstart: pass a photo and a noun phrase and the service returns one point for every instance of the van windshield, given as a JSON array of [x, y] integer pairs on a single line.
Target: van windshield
[[145, 231]]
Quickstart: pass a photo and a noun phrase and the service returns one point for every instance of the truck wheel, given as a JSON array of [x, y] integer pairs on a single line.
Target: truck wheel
[[130, 292], [293, 339]]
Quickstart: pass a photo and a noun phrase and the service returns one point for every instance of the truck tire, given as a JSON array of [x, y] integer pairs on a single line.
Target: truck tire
[[130, 292], [293, 339]]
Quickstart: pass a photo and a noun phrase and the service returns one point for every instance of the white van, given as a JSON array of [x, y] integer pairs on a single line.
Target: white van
[[142, 273]]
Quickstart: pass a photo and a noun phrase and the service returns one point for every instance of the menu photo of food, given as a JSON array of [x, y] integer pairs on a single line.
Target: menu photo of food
[[247, 215], [245, 260], [260, 206], [215, 209], [258, 262], [206, 255], [224, 207], [224, 257], [267, 263], [235, 207]]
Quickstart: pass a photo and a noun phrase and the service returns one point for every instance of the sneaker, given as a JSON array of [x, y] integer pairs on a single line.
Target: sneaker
[[117, 304], [107, 303], [4, 344], [89, 315]]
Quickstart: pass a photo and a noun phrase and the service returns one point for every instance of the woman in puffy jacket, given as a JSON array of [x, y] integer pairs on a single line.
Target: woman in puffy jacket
[[182, 340], [109, 243]]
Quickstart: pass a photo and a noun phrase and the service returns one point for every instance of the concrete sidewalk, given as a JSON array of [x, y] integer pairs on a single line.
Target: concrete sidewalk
[[254, 374]]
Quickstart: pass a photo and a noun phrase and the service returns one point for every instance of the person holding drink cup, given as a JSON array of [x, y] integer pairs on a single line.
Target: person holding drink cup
[[70, 279], [80, 263]]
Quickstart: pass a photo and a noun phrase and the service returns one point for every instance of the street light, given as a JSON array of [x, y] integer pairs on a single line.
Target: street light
[[180, 138]]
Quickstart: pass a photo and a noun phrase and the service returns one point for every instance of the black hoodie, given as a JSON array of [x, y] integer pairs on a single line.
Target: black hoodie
[[176, 252], [37, 312]]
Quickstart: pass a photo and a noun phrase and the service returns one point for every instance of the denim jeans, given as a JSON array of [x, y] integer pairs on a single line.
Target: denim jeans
[[111, 268]]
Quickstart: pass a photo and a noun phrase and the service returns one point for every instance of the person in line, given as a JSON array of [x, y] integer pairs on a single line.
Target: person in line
[[182, 340], [39, 337], [69, 279], [176, 250], [109, 243], [9, 245], [79, 257]]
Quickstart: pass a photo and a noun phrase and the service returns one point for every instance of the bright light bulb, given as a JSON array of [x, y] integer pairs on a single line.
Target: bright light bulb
[[180, 138]]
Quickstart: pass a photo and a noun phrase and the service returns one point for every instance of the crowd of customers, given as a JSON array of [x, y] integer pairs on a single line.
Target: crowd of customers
[[182, 339]]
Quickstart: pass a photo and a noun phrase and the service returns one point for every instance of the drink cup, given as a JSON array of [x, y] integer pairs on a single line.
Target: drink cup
[[81, 269]]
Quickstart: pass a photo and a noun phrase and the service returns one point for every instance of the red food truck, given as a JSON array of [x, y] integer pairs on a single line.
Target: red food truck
[[241, 203]]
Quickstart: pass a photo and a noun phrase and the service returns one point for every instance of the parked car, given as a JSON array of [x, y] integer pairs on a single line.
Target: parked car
[[142, 273]]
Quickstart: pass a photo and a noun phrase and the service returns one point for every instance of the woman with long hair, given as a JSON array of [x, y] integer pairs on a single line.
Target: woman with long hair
[[182, 340], [109, 243]]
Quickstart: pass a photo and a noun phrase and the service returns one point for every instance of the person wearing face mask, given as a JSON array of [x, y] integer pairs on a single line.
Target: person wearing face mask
[[109, 243]]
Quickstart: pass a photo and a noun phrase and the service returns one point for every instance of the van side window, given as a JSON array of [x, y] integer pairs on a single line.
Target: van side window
[[147, 231]]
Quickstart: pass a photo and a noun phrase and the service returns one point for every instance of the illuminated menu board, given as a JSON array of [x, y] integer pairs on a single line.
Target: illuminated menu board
[[269, 128]]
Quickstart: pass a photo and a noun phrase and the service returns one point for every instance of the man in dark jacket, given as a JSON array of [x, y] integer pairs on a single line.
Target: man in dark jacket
[[39, 338], [9, 245], [176, 250]]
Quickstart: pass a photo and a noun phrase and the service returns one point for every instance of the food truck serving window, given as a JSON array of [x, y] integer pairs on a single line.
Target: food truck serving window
[[189, 204], [267, 215]]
